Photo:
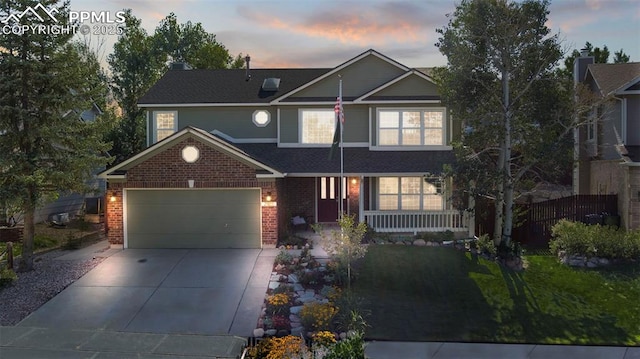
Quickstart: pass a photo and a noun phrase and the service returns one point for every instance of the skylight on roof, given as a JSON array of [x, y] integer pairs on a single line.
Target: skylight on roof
[[271, 84]]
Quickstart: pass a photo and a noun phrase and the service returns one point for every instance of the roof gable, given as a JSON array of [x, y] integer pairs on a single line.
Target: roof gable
[[200, 135], [411, 86], [612, 78], [359, 75]]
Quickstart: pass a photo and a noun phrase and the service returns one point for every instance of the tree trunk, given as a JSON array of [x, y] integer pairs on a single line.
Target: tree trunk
[[499, 202], [507, 180], [26, 261]]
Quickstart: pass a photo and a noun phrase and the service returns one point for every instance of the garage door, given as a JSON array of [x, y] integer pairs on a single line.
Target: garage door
[[224, 218]]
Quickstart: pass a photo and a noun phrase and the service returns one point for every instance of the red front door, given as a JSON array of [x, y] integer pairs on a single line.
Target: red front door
[[328, 198]]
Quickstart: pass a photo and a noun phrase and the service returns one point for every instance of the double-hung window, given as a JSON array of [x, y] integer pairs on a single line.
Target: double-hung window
[[410, 127], [317, 126], [409, 193], [165, 124]]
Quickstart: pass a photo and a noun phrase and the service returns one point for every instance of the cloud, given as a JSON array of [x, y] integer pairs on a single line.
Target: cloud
[[353, 23]]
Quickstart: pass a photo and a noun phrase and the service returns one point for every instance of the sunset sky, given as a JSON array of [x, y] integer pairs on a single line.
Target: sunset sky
[[283, 33]]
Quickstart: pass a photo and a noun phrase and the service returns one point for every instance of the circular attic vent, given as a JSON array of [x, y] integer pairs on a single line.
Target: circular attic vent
[[190, 154]]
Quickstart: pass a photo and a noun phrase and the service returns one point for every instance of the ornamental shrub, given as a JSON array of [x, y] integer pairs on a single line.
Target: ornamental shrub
[[323, 338], [576, 238], [278, 304], [350, 348], [318, 316], [7, 277], [288, 347], [284, 257], [486, 246]]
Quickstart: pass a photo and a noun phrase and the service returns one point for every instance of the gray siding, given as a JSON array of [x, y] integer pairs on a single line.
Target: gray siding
[[236, 122], [357, 79], [355, 129], [410, 86], [289, 125]]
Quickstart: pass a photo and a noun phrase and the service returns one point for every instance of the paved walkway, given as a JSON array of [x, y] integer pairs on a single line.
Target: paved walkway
[[435, 350], [24, 341]]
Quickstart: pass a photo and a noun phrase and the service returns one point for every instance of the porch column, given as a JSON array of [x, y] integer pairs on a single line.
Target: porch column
[[361, 200]]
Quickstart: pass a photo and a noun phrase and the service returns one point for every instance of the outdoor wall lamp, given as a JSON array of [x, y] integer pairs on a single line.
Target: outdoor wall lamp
[[354, 181], [269, 198], [112, 198]]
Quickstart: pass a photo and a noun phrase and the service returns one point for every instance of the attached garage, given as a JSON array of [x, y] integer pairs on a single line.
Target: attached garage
[[192, 218]]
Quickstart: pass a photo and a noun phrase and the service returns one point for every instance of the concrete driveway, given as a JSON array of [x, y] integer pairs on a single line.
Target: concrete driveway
[[170, 291]]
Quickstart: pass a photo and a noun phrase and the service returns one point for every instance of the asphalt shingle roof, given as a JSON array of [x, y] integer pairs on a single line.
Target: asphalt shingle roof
[[224, 86], [356, 159], [610, 77], [633, 153]]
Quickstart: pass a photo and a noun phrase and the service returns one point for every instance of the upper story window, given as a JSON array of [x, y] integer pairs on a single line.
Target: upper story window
[[409, 193], [261, 118], [411, 127], [592, 122], [165, 124], [317, 126]]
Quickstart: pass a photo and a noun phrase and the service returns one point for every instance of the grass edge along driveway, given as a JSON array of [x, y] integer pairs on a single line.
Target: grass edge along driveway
[[440, 294]]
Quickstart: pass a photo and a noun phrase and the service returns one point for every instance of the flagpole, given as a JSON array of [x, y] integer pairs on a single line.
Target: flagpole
[[340, 117]]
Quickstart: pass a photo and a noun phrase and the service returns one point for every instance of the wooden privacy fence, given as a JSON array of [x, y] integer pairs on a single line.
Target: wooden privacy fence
[[535, 220]]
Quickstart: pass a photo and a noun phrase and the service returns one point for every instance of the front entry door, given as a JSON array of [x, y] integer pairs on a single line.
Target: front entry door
[[328, 198]]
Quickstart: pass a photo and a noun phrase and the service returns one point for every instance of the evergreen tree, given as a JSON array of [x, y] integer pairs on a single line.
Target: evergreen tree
[[46, 82]]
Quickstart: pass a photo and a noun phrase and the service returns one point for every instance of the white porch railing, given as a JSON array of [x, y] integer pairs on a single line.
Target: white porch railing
[[416, 221]]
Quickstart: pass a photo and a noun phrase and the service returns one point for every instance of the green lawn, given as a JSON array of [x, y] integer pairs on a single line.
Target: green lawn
[[441, 294]]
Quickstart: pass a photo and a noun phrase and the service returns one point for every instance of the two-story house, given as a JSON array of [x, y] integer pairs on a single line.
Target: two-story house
[[608, 145], [234, 154]]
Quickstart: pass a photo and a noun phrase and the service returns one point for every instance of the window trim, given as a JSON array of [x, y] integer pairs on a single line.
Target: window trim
[[301, 126], [400, 194], [422, 128], [154, 126]]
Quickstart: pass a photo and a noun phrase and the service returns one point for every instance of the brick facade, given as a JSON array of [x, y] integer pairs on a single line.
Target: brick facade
[[213, 169]]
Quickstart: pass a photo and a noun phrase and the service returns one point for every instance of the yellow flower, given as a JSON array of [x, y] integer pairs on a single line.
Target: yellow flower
[[318, 316], [324, 338], [278, 299], [286, 347]]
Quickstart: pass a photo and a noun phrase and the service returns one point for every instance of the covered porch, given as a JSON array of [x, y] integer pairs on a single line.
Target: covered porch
[[415, 221], [388, 204]]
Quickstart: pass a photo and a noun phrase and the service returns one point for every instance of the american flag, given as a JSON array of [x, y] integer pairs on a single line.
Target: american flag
[[339, 110]]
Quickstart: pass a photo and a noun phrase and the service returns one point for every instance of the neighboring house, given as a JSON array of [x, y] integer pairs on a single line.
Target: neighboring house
[[234, 154], [71, 203], [608, 146]]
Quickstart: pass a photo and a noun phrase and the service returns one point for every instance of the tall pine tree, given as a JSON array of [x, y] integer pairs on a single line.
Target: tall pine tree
[[45, 147]]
